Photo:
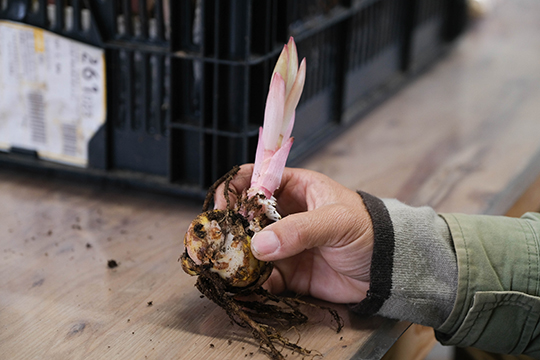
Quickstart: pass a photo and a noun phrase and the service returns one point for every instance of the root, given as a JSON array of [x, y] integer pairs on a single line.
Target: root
[[259, 315], [269, 310], [294, 303], [212, 189]]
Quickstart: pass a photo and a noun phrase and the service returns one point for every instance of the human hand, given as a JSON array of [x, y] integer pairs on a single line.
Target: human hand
[[323, 244]]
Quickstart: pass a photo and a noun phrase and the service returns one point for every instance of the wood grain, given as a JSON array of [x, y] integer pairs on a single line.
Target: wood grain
[[464, 137], [60, 300], [415, 343], [529, 201]]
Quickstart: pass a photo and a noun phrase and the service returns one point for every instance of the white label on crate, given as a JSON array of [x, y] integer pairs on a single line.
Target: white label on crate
[[52, 93]]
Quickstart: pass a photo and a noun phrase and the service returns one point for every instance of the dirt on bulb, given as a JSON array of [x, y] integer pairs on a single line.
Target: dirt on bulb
[[218, 251]]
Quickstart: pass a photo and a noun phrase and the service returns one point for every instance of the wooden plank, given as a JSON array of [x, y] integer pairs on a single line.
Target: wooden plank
[[414, 344], [529, 201]]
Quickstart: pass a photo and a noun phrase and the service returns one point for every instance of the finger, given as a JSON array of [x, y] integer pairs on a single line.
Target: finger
[[291, 184], [332, 225], [240, 182], [291, 194], [275, 283], [303, 190]]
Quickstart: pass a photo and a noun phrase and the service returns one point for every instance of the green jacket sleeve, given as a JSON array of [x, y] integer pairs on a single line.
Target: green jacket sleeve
[[497, 307], [475, 279]]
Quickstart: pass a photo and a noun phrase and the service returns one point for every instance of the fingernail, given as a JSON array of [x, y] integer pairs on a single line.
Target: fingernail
[[265, 243]]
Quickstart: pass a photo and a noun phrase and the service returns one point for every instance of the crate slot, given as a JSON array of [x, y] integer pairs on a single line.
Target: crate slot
[[216, 96], [305, 10], [314, 114], [374, 57], [268, 27], [146, 20], [188, 85], [321, 50], [75, 18], [259, 82], [136, 106], [190, 153], [428, 9], [139, 151], [34, 6], [227, 29], [427, 36], [159, 94]]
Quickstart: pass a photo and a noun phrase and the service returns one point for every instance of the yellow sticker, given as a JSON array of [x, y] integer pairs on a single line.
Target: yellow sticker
[[39, 41]]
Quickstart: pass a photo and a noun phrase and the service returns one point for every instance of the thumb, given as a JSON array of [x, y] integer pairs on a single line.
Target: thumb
[[332, 225]]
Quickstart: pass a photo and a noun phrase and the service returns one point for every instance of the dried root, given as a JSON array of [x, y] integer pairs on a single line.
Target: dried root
[[258, 315], [227, 178]]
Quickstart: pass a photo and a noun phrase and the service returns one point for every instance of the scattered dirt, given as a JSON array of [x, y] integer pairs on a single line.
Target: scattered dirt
[[111, 264]]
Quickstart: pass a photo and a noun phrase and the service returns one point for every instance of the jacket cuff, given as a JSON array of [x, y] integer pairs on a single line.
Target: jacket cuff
[[498, 299], [414, 267], [382, 260]]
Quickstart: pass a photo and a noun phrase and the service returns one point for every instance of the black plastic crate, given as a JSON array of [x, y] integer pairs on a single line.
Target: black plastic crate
[[433, 24], [187, 80], [375, 53]]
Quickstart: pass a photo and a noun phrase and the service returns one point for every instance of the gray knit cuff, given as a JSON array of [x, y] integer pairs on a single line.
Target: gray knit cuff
[[417, 263]]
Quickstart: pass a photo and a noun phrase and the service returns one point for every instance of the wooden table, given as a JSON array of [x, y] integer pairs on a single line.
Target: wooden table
[[464, 137]]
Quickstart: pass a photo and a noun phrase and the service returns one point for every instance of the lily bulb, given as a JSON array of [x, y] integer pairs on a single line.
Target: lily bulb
[[220, 240], [275, 139]]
